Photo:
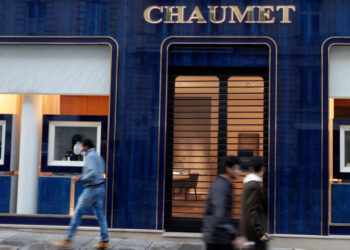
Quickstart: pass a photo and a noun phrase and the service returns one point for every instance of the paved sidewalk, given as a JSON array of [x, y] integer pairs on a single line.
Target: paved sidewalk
[[24, 240]]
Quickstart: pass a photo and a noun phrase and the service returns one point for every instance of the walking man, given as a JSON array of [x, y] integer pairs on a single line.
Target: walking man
[[92, 196], [254, 212], [218, 230]]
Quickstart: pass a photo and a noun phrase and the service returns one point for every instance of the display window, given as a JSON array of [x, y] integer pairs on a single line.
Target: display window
[[57, 103], [61, 123], [340, 139], [2, 141], [5, 142], [345, 149], [62, 137]]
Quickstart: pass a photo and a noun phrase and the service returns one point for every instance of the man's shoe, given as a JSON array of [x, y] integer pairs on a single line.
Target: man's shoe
[[63, 244], [101, 245]]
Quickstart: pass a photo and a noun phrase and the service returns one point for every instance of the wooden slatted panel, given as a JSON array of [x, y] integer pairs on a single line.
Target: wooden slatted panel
[[194, 125]]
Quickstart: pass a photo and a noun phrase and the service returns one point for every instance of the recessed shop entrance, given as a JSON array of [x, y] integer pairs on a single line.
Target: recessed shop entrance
[[212, 112]]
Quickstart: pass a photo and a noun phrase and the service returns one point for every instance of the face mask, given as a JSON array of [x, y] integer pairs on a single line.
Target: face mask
[[78, 148]]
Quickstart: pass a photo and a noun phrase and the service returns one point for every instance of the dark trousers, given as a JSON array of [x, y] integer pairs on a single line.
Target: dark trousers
[[219, 247]]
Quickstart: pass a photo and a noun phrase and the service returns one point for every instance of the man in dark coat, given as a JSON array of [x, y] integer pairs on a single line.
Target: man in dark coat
[[253, 218], [218, 230]]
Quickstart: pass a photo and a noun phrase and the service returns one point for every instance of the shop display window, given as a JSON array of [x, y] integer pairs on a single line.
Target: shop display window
[[62, 134], [2, 141], [341, 148], [345, 149], [5, 142]]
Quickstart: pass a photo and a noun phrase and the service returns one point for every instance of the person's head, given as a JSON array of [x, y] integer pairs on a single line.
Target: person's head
[[258, 166], [87, 144], [230, 167]]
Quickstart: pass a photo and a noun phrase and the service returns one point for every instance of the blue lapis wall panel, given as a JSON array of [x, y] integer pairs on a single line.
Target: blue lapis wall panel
[[298, 100], [222, 56], [298, 156], [54, 195], [5, 191], [340, 203]]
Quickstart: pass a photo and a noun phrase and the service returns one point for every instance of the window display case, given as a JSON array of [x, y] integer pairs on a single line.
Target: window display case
[[341, 148], [62, 133], [5, 142], [344, 149], [2, 141]]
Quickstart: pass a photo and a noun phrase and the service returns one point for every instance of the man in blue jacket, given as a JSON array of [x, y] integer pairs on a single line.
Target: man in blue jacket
[[92, 196]]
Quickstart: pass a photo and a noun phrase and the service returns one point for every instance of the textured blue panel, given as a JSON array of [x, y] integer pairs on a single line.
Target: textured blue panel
[[298, 169], [53, 195], [340, 203], [339, 230], [5, 189], [221, 56]]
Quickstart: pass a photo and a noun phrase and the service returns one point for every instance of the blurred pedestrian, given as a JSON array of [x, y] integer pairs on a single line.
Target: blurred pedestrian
[[92, 197], [254, 212], [218, 231]]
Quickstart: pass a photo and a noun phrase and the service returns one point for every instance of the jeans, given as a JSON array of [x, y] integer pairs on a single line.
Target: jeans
[[94, 198]]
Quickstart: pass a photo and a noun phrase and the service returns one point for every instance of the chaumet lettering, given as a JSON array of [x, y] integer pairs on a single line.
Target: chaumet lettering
[[219, 14]]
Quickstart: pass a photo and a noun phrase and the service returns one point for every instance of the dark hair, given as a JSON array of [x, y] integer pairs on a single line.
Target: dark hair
[[228, 162], [88, 143], [257, 164]]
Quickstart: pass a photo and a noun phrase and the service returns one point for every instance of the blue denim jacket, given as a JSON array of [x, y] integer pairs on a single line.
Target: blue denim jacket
[[93, 170]]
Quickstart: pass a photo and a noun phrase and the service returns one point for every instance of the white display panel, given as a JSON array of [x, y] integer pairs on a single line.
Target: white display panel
[[62, 137], [339, 72], [55, 69]]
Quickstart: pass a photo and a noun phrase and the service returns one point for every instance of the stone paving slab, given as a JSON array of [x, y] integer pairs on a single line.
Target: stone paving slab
[[4, 247], [21, 239], [191, 246], [163, 246], [39, 246], [112, 242], [6, 234], [131, 244]]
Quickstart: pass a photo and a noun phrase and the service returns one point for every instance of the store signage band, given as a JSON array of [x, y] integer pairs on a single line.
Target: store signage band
[[219, 14]]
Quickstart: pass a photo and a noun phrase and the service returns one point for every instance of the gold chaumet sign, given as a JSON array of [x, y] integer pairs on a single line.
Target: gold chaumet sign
[[219, 14]]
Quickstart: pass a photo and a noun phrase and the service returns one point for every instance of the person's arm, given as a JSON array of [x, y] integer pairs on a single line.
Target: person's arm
[[221, 204], [252, 203], [91, 170]]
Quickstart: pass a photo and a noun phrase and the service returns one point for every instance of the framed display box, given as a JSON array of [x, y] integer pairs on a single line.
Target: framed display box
[[344, 157], [62, 132], [5, 141], [341, 148]]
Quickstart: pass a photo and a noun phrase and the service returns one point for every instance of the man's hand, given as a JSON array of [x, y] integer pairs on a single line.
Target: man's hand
[[77, 178], [265, 237], [239, 242]]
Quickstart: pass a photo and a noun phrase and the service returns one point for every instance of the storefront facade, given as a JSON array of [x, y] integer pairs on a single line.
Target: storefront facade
[[167, 89]]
